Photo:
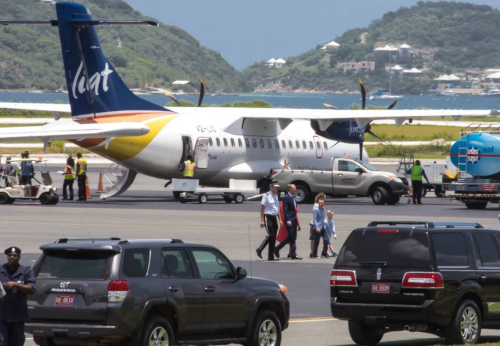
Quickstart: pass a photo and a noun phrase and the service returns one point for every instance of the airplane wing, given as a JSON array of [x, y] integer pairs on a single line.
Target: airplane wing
[[45, 107]]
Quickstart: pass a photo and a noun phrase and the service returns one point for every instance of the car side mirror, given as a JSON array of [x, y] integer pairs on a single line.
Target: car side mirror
[[242, 273], [360, 170]]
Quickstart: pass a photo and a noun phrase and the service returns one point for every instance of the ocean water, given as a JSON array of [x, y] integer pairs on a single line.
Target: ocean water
[[307, 101]]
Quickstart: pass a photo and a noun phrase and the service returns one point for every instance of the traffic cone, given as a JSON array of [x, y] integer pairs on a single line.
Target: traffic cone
[[100, 188], [285, 165], [87, 189]]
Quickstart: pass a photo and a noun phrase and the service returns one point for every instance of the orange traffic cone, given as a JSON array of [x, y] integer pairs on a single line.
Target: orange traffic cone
[[285, 165], [100, 188], [87, 189]]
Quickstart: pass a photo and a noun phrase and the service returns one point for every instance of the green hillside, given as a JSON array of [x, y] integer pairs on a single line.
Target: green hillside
[[30, 56], [448, 38]]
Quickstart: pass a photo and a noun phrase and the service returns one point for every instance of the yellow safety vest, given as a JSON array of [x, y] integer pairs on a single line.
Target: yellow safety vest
[[83, 166], [416, 173], [188, 169], [69, 176]]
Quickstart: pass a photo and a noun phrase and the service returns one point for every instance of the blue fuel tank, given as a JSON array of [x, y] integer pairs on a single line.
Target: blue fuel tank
[[482, 154]]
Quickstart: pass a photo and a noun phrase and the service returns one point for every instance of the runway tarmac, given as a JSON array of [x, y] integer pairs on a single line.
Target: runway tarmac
[[149, 211]]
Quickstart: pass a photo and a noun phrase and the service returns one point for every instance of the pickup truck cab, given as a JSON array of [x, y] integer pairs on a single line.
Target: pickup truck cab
[[344, 177]]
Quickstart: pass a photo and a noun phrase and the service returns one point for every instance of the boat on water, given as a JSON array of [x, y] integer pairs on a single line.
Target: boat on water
[[448, 92], [384, 94], [493, 91]]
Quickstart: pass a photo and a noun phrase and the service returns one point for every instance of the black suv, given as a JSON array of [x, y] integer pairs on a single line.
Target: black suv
[[150, 292], [441, 278]]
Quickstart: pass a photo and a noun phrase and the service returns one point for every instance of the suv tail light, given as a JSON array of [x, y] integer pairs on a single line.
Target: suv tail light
[[345, 278], [117, 290], [422, 280]]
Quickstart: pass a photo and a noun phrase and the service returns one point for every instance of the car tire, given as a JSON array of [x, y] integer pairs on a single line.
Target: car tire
[[302, 194], [45, 199], [43, 341], [4, 198], [361, 334], [55, 199], [476, 206], [239, 198], [227, 199], [468, 313], [267, 326], [379, 196], [202, 198], [157, 327], [393, 200]]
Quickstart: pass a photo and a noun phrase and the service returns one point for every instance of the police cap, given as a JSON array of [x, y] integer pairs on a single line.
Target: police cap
[[274, 183], [12, 249]]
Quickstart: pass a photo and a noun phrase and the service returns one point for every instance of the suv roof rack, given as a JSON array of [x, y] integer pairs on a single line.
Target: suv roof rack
[[71, 240], [129, 241], [427, 224], [453, 224]]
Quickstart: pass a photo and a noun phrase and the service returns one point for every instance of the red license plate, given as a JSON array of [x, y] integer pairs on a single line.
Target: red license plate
[[381, 287], [489, 187], [65, 299]]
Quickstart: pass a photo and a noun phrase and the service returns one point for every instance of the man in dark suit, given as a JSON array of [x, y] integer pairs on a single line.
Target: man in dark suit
[[290, 220]]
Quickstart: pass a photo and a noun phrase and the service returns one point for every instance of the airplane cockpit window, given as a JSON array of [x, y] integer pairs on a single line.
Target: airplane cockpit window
[[276, 144], [247, 142], [210, 142], [325, 145], [232, 143], [218, 142], [240, 144], [269, 144], [304, 145], [283, 144], [297, 144], [262, 145], [254, 142], [311, 145], [290, 145]]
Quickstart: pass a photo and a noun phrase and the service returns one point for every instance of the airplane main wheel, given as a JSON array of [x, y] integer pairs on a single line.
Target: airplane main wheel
[[4, 198]]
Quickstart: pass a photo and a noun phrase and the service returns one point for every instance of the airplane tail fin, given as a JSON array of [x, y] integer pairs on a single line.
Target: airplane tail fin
[[94, 86]]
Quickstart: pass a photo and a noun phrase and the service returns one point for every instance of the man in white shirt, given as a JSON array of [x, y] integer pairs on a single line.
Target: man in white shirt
[[269, 218]]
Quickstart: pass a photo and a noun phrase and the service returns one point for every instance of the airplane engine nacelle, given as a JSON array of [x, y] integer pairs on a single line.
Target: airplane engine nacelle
[[342, 131]]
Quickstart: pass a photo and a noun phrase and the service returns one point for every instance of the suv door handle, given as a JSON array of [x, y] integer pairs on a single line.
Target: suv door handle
[[209, 288], [173, 288], [482, 277], [340, 174]]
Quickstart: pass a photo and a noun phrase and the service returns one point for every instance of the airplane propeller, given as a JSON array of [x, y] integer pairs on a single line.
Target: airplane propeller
[[200, 100]]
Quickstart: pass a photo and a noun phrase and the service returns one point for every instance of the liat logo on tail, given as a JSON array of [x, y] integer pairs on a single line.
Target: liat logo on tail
[[94, 81]]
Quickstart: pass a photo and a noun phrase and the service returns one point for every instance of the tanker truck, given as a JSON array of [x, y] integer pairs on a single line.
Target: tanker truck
[[477, 157]]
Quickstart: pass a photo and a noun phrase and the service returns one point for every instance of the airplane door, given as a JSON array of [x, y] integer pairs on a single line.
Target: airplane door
[[319, 148], [201, 153]]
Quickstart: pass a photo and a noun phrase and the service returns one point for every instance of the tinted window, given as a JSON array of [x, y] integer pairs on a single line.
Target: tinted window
[[269, 144], [396, 249], [262, 144], [175, 264], [218, 142], [232, 142], [276, 144], [240, 144], [210, 142], [212, 265], [487, 251], [75, 265], [283, 144], [450, 249], [347, 166], [254, 142], [247, 142], [135, 262]]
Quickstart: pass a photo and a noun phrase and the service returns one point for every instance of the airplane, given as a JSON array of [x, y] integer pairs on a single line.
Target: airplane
[[240, 143]]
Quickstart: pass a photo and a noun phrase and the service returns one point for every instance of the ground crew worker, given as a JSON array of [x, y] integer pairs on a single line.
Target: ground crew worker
[[81, 173], [27, 169], [18, 281], [416, 181], [187, 167], [269, 218], [69, 179]]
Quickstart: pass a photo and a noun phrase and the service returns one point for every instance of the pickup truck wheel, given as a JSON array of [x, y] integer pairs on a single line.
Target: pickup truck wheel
[[465, 327], [4, 198], [361, 334], [302, 194], [157, 332], [227, 199], [266, 330], [379, 196]]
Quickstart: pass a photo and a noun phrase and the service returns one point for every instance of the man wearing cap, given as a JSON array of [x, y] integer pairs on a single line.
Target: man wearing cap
[[269, 218], [18, 281]]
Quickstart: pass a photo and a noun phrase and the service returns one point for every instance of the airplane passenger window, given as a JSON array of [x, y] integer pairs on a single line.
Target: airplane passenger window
[[325, 145], [232, 142], [262, 143], [318, 145], [210, 142], [254, 142], [304, 145], [218, 142], [311, 145], [269, 144], [225, 142], [290, 145], [240, 144], [297, 144], [283, 144], [276, 144], [247, 142]]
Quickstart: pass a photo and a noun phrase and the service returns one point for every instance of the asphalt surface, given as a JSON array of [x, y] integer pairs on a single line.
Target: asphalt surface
[[148, 210]]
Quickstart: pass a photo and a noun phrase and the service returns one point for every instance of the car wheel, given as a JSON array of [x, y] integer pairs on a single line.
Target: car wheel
[[239, 198], [361, 334], [45, 199], [379, 196], [227, 199], [43, 341], [476, 206], [302, 194], [393, 200], [158, 332], [202, 198], [55, 199], [266, 330], [11, 200], [4, 198], [465, 327]]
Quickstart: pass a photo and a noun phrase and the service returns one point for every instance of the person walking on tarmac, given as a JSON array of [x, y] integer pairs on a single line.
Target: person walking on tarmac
[[18, 281], [81, 173], [69, 179], [269, 218], [27, 169], [290, 219], [187, 167], [416, 181]]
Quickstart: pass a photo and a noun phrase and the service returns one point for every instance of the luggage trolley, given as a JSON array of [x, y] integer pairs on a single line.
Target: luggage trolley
[[190, 190]]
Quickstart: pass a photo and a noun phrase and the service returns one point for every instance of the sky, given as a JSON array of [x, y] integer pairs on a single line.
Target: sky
[[245, 32]]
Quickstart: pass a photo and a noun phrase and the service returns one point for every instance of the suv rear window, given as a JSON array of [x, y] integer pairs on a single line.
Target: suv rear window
[[74, 265], [397, 250]]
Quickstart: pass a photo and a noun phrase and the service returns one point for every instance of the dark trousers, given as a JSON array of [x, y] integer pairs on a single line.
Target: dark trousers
[[317, 239], [292, 237], [68, 183], [417, 190], [271, 224], [12, 333], [82, 191], [25, 180]]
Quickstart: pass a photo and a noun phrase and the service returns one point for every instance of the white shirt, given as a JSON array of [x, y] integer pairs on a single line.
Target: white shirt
[[270, 203]]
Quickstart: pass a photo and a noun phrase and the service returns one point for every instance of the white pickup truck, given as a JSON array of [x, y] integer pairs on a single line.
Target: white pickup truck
[[344, 177]]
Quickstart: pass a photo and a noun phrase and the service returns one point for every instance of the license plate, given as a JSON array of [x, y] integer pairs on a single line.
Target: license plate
[[65, 299], [381, 287]]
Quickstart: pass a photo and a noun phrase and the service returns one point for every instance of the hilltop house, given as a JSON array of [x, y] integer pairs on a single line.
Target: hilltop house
[[414, 72], [362, 66], [331, 44], [276, 63], [402, 51]]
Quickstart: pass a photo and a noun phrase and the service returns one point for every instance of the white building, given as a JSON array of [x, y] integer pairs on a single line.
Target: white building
[[277, 63], [331, 44], [414, 72]]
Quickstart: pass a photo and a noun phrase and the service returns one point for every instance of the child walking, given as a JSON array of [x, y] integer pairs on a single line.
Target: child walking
[[330, 231]]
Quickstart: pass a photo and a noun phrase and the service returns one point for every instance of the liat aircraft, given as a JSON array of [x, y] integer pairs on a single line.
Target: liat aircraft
[[108, 119]]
